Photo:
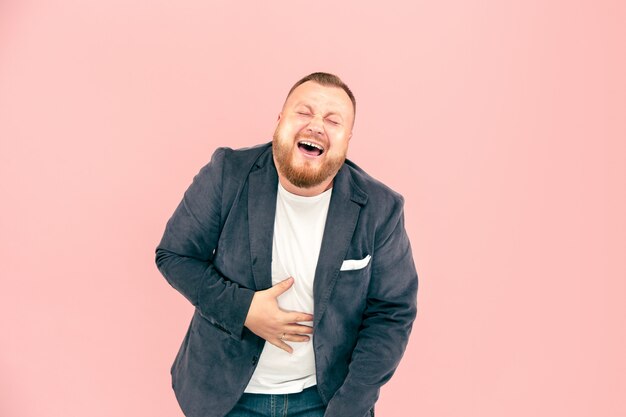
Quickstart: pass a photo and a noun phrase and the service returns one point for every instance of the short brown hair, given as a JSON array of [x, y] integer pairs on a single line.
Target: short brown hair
[[328, 80]]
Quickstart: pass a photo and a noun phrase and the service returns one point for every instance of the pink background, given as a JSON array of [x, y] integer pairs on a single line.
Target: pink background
[[503, 123]]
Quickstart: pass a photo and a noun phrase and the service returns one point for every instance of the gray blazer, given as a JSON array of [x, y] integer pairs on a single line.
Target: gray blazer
[[217, 251]]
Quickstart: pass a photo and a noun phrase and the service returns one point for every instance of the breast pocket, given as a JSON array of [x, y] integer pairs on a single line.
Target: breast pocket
[[355, 264], [354, 279]]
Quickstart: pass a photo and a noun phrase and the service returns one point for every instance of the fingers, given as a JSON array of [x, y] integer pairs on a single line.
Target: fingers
[[281, 287], [268, 321], [297, 329], [296, 338], [279, 342], [282, 345], [297, 317]]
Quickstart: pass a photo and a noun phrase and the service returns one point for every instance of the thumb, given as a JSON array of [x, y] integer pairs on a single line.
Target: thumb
[[282, 286]]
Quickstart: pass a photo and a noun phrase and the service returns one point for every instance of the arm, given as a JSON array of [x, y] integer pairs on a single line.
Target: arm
[[386, 325], [185, 253]]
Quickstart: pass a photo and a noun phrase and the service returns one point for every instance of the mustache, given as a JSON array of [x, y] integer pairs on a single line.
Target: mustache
[[312, 136]]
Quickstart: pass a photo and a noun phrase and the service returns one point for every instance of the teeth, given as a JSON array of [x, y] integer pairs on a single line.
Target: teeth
[[314, 145]]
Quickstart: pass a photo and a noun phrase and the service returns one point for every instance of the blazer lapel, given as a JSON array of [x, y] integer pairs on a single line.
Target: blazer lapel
[[343, 214], [262, 189]]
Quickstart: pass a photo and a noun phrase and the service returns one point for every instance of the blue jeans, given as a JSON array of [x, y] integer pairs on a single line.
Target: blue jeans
[[302, 404]]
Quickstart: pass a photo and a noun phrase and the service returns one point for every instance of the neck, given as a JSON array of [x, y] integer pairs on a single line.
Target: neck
[[305, 192]]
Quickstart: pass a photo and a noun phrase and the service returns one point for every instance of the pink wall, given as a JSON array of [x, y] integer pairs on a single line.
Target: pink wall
[[502, 123]]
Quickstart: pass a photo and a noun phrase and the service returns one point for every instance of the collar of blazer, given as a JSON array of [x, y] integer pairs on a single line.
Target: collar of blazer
[[343, 213]]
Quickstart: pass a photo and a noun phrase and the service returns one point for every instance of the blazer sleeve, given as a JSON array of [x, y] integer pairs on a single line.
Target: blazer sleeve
[[186, 251], [387, 321]]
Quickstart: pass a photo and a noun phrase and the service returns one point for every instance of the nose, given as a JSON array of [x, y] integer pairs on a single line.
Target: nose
[[316, 125]]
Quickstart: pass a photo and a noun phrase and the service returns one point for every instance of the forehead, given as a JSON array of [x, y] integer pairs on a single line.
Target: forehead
[[317, 95]]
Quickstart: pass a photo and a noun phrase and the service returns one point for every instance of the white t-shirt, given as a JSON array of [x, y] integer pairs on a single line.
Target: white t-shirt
[[298, 231]]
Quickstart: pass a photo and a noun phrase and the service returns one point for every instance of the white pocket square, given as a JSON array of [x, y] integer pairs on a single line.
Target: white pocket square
[[352, 264]]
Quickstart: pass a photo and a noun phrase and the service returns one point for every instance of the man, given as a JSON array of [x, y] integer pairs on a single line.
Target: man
[[299, 267]]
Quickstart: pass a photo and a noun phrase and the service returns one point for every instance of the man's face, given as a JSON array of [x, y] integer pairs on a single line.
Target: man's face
[[311, 139]]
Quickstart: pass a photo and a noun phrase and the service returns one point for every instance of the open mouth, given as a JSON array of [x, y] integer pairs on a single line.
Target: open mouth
[[310, 148]]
